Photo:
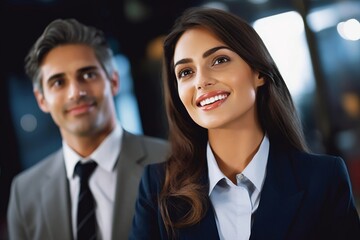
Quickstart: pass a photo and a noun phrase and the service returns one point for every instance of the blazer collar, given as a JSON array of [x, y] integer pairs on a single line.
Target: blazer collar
[[205, 229], [280, 197], [55, 200], [131, 154]]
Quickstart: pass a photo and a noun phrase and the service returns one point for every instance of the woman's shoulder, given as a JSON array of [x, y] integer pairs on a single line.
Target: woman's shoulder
[[302, 158], [157, 169], [316, 159], [319, 165], [154, 175]]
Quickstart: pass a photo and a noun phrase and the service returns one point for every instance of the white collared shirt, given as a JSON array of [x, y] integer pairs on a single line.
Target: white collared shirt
[[102, 182], [235, 204]]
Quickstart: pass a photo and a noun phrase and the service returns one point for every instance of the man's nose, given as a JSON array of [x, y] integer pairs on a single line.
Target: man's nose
[[76, 90]]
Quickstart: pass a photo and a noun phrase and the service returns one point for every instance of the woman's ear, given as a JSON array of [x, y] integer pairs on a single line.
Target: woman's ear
[[260, 80]]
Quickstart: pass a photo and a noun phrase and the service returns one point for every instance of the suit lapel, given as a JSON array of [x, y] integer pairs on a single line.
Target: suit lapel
[[55, 200], [132, 151], [280, 198], [205, 229]]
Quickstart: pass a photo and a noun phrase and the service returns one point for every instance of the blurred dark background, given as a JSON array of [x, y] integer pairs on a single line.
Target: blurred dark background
[[314, 42]]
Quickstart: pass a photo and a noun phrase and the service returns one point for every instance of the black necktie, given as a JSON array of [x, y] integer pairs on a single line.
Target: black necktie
[[86, 219]]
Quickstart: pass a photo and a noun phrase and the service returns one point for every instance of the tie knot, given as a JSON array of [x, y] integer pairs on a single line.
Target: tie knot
[[84, 170]]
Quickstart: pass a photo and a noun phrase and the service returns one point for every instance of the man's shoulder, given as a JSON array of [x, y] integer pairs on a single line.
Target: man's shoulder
[[39, 169], [153, 144], [149, 149], [149, 139], [153, 141]]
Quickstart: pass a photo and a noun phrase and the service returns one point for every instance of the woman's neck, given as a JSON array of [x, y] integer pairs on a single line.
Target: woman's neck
[[234, 149]]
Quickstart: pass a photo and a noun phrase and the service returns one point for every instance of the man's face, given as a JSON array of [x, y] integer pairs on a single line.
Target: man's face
[[77, 92]]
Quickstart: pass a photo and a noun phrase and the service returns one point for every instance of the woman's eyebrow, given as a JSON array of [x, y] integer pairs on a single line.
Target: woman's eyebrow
[[213, 50], [205, 54], [182, 61]]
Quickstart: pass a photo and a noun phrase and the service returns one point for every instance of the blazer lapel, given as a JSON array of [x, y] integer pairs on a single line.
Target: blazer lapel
[[205, 229], [280, 198], [55, 201], [128, 174]]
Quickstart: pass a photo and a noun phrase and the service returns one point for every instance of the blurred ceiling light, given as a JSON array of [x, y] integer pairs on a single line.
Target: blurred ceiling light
[[349, 30], [351, 104], [216, 5], [28, 122], [154, 50], [326, 17], [136, 11], [322, 19], [258, 1]]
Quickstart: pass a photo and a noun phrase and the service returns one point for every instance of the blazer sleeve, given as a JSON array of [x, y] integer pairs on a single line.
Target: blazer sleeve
[[345, 224], [147, 220], [15, 222]]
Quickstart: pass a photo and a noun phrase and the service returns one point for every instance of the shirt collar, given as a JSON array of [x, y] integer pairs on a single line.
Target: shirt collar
[[105, 155], [254, 171], [215, 174]]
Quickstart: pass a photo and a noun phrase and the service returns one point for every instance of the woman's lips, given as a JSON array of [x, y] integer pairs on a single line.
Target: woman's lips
[[211, 100]]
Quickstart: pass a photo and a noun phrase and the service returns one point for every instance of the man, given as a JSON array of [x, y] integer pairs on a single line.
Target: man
[[74, 80]]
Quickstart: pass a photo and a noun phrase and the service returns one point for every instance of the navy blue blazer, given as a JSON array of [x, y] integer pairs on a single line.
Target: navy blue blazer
[[305, 196]]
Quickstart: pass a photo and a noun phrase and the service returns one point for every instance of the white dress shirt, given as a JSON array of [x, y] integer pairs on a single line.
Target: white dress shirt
[[102, 182], [235, 204]]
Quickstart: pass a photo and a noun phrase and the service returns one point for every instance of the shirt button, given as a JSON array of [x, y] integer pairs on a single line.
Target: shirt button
[[240, 178]]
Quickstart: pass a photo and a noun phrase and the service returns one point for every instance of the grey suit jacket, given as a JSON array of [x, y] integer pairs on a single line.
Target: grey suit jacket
[[40, 208]]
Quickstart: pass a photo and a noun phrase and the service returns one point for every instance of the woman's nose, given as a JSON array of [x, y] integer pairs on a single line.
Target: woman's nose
[[204, 81]]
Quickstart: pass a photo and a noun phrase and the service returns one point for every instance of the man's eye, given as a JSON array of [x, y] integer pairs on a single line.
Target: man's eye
[[221, 60], [89, 75], [58, 82]]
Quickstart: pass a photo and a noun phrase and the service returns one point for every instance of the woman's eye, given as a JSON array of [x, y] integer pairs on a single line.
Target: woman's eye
[[184, 73], [221, 60]]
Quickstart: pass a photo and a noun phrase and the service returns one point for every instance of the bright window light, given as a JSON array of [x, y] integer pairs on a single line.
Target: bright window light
[[322, 19], [284, 36], [126, 102]]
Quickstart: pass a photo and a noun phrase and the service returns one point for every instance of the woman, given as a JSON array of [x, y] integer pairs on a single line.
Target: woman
[[239, 166]]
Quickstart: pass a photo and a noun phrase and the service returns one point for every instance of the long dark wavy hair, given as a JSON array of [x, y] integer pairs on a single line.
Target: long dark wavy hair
[[187, 163]]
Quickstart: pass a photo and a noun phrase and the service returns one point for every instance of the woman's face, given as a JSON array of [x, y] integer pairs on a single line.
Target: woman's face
[[217, 87]]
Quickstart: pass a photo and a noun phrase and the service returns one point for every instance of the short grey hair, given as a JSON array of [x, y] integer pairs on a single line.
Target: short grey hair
[[62, 32]]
